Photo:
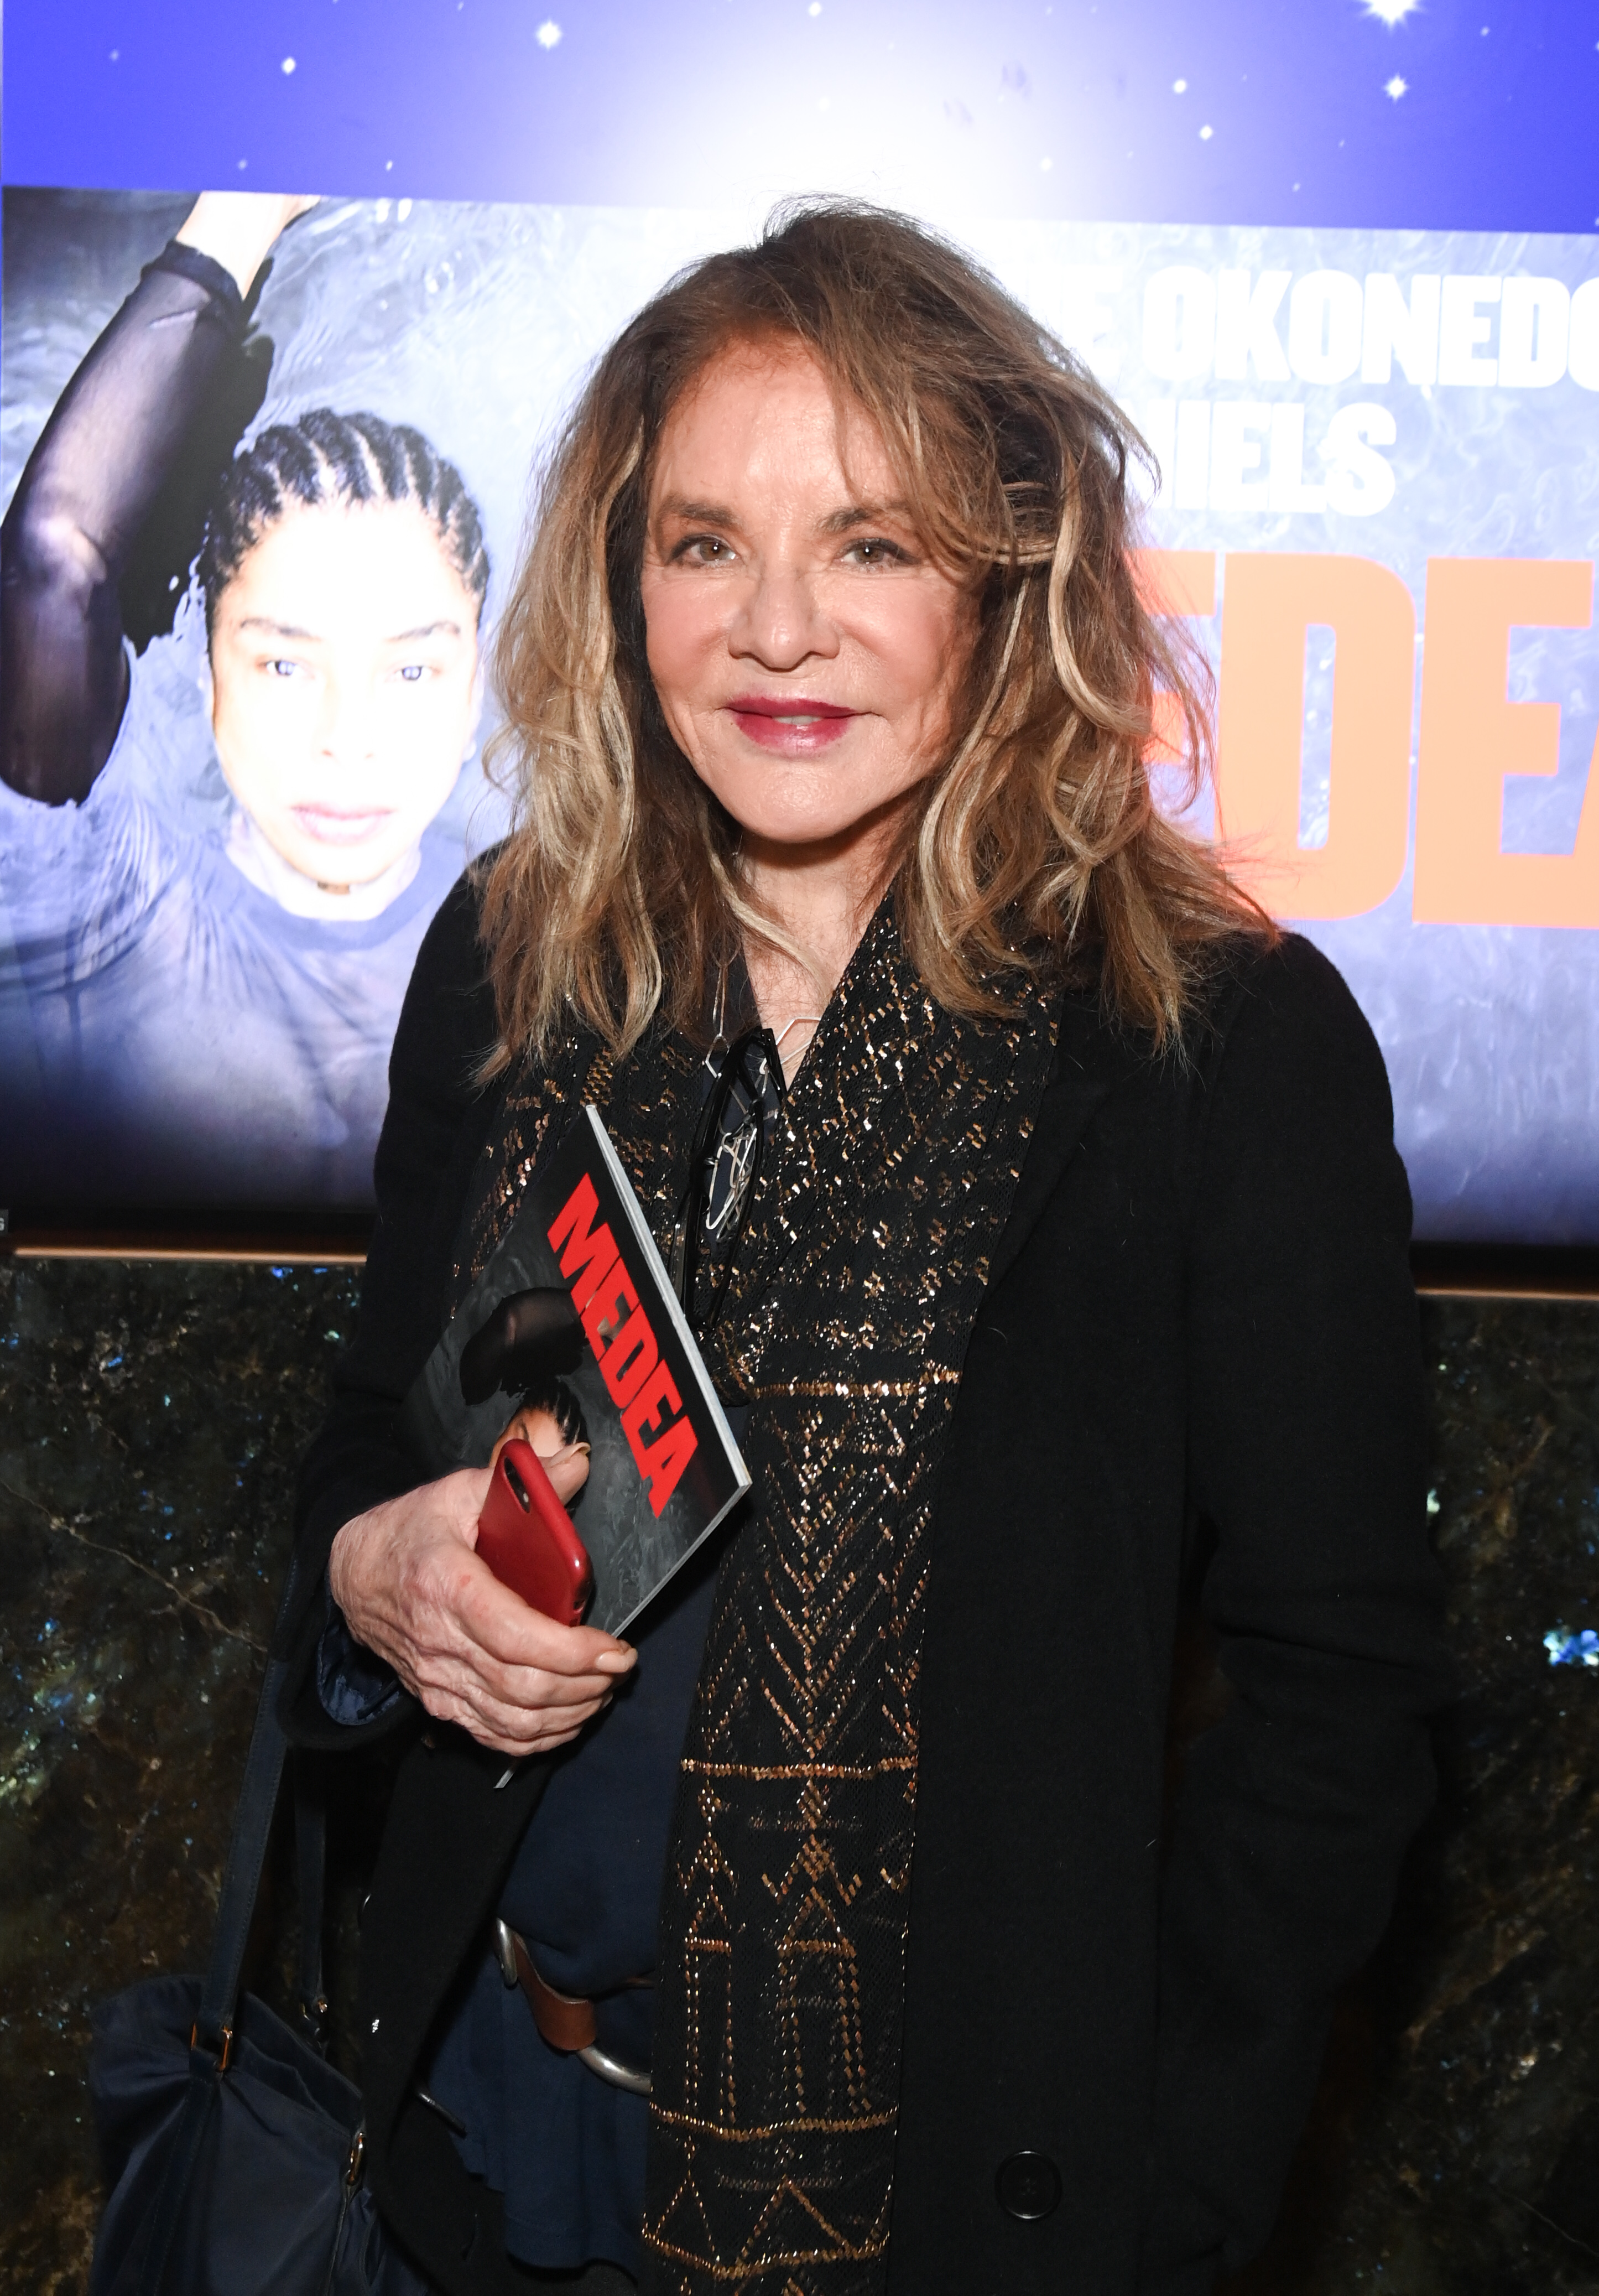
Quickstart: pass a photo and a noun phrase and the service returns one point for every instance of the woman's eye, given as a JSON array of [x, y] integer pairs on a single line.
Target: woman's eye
[[876, 550], [705, 550], [283, 669], [411, 671]]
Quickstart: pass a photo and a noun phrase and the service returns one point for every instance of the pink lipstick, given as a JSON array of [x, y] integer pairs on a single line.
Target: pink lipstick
[[791, 725]]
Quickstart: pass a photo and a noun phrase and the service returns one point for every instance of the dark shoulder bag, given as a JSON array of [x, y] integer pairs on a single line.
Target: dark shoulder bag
[[232, 2151]]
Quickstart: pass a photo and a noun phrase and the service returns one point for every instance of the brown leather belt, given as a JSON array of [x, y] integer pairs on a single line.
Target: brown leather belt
[[565, 2021]]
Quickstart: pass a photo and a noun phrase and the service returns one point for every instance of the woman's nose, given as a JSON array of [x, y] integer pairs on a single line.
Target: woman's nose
[[782, 623], [348, 725]]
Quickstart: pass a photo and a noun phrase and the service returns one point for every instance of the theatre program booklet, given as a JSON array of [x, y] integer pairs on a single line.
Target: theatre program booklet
[[664, 1468]]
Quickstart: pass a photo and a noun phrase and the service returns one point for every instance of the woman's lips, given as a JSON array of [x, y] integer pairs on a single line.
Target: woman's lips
[[329, 827], [790, 723]]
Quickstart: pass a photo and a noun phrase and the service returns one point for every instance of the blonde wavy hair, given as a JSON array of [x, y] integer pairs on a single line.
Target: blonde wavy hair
[[1037, 842]]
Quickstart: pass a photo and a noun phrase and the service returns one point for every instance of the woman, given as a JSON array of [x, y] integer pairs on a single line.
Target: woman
[[1074, 1273], [165, 980]]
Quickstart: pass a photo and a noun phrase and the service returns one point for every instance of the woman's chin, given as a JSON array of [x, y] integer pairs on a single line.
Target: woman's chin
[[817, 802], [819, 828], [326, 863]]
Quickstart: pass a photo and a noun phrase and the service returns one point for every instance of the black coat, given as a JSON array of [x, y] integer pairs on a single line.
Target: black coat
[[1198, 1359]]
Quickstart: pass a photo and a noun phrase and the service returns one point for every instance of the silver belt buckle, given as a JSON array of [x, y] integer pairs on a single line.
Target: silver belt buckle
[[612, 2069], [608, 2068]]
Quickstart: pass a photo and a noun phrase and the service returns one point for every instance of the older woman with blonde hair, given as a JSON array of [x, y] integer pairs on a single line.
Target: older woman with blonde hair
[[1070, 1286]]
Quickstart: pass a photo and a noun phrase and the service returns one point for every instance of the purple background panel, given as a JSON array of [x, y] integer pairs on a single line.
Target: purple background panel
[[1461, 114]]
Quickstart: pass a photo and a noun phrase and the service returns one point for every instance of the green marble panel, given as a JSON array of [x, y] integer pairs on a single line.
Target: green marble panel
[[150, 1418]]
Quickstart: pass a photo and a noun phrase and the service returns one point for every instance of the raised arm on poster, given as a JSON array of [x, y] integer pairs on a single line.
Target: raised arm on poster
[[197, 994], [139, 414]]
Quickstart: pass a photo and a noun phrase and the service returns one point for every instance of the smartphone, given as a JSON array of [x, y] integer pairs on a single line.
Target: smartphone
[[530, 1542]]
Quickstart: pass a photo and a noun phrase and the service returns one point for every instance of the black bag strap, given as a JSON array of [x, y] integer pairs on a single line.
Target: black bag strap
[[311, 1842], [247, 1858], [211, 2041]]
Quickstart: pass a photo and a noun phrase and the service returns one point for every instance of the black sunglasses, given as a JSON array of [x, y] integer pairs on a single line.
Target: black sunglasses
[[724, 1170]]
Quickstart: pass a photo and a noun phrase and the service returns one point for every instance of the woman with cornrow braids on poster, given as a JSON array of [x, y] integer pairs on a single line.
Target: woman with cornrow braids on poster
[[197, 1003]]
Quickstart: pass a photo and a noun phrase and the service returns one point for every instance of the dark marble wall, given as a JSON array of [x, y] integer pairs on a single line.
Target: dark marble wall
[[149, 1419]]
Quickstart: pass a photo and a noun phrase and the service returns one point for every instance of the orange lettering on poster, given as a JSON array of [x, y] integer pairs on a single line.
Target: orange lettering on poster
[[1173, 582], [1472, 735], [1271, 599]]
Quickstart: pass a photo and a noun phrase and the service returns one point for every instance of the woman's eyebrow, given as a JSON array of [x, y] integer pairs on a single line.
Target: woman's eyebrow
[[839, 522], [859, 515], [277, 629], [696, 513], [443, 628]]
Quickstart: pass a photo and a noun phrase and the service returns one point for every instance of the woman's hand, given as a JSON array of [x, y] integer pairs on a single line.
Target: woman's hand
[[411, 1589], [240, 229]]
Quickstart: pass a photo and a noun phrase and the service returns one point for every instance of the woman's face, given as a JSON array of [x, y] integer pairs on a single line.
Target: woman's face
[[344, 666], [806, 649]]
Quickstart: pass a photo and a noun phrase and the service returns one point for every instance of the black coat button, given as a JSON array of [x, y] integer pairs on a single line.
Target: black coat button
[[1028, 2185]]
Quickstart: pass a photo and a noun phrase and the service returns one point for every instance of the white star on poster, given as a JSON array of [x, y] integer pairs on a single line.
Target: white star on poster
[[1390, 12], [1395, 87]]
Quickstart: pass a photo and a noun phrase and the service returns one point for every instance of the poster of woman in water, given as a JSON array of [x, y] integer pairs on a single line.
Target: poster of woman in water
[[267, 462]]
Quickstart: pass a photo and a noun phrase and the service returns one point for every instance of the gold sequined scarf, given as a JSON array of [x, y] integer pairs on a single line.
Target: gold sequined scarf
[[856, 1285]]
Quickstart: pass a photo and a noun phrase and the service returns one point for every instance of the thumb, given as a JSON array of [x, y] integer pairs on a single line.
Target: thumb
[[568, 1471], [468, 1496]]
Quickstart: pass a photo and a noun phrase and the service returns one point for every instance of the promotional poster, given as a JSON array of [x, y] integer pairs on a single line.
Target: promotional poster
[[1377, 507]]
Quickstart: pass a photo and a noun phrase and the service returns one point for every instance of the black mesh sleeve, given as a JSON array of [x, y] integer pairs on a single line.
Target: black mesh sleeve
[[102, 464]]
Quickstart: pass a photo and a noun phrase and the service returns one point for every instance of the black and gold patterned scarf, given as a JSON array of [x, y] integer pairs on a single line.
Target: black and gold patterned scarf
[[854, 1291]]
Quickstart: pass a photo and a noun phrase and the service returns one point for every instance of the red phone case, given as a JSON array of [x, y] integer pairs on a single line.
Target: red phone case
[[530, 1542]]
